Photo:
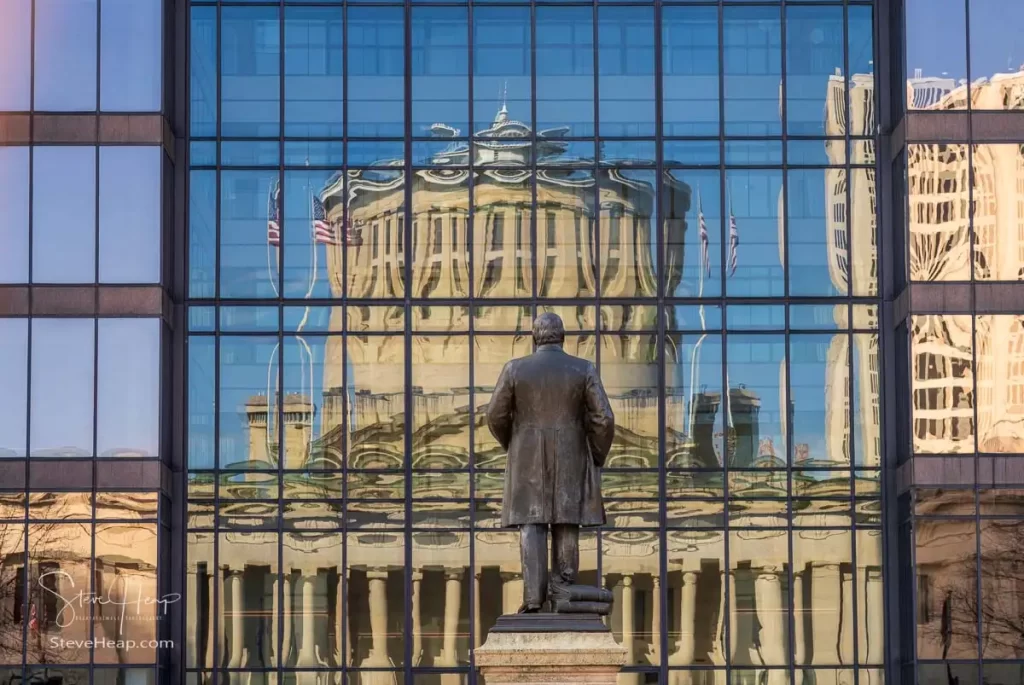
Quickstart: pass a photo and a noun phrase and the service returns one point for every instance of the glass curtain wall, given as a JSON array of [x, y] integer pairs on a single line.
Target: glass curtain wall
[[382, 197]]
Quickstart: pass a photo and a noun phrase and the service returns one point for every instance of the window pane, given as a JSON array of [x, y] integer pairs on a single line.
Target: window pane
[[565, 69], [1001, 590], [1000, 368], [131, 69], [203, 71], [65, 59], [998, 215], [440, 70], [936, 50], [376, 232], [997, 50], [690, 66], [939, 213], [945, 561], [754, 250], [756, 378], [629, 248], [440, 376], [250, 69], [819, 253], [201, 402], [15, 56], [626, 64], [942, 384], [814, 68], [62, 387], [376, 71], [629, 371], [64, 224], [501, 70], [440, 235], [126, 569], [314, 71], [249, 251], [14, 200], [819, 390], [14, 397], [247, 403], [376, 382], [128, 396], [130, 215], [565, 237], [861, 80], [753, 70], [867, 394], [501, 236]]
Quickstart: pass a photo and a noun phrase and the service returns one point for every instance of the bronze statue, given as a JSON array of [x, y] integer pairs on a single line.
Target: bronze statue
[[550, 411]]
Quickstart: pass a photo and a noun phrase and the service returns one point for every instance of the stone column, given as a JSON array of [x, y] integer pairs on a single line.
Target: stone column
[[281, 620], [307, 648], [825, 592], [477, 637], [734, 618], [233, 590], [214, 614], [417, 618], [378, 656], [191, 616], [654, 652], [874, 618], [628, 639], [452, 605], [340, 629], [799, 639], [683, 656], [846, 610], [768, 595]]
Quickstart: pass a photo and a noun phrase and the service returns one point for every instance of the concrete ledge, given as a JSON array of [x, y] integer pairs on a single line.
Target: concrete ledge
[[562, 658]]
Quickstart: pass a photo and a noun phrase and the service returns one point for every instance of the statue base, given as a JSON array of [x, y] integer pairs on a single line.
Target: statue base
[[550, 649]]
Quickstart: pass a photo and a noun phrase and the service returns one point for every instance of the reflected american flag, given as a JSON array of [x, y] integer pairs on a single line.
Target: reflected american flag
[[323, 232], [734, 244], [705, 253]]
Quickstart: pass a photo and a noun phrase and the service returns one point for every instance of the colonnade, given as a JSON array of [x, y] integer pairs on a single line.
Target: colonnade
[[751, 629]]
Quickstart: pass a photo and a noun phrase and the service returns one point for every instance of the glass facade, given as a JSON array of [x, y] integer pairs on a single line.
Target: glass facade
[[263, 262]]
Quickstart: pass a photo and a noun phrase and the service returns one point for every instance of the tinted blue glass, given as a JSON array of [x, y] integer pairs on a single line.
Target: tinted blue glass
[[690, 271], [627, 152], [997, 48], [248, 378], [313, 254], [756, 380], [203, 72], [64, 225], [501, 67], [202, 153], [14, 396], [317, 153], [14, 201], [130, 55], [817, 232], [65, 55], [16, 56], [814, 71], [250, 153], [202, 233], [128, 390], [753, 70], [565, 69], [753, 241], [936, 51], [250, 69], [690, 71], [815, 152], [202, 366], [376, 71], [691, 152], [861, 61], [753, 152], [626, 67], [371, 153], [249, 259], [314, 72], [440, 71], [130, 214], [752, 317], [201, 318], [62, 387]]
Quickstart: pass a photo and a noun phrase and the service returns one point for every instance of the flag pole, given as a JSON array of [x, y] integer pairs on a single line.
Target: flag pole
[[694, 373]]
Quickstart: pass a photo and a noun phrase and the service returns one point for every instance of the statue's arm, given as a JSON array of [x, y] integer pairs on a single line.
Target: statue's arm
[[501, 407], [600, 419]]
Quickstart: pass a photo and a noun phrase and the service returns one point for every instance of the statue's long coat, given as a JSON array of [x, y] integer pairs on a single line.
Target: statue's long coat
[[550, 411]]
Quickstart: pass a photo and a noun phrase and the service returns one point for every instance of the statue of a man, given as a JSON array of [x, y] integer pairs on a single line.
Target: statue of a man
[[550, 411]]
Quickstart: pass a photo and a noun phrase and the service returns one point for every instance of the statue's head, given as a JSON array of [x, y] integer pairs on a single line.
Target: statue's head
[[548, 330]]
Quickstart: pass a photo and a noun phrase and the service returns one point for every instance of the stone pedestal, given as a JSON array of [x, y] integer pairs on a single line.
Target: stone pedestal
[[550, 649]]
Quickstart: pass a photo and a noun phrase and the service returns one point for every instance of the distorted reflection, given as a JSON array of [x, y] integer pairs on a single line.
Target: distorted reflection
[[942, 383]]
